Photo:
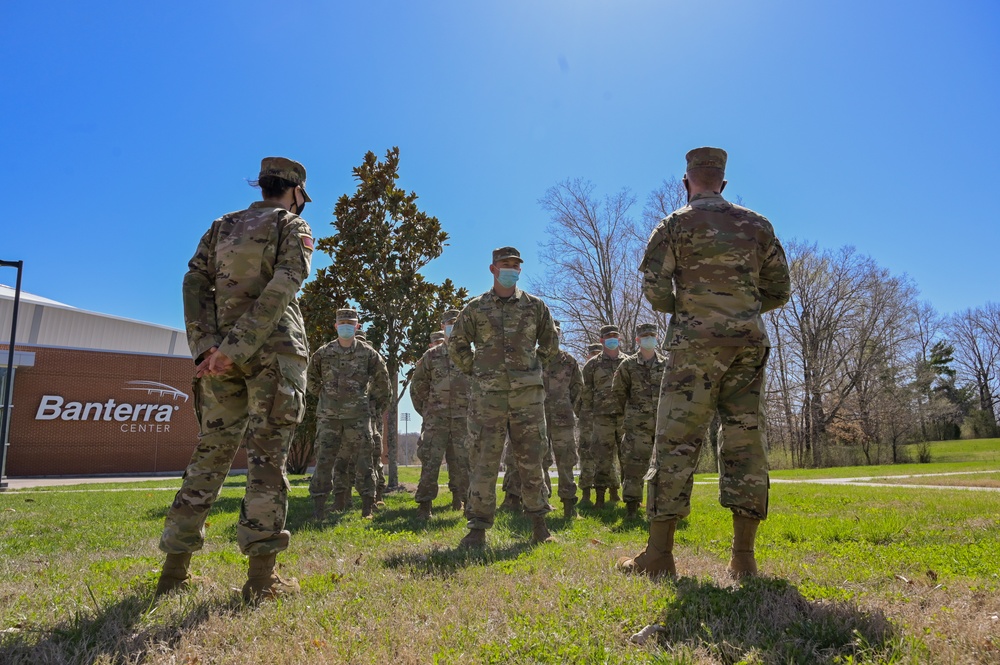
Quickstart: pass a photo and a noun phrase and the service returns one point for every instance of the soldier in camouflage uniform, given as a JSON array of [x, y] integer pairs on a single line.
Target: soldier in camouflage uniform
[[347, 375], [605, 414], [376, 439], [503, 339], [715, 268], [439, 391], [248, 340], [636, 388], [587, 465]]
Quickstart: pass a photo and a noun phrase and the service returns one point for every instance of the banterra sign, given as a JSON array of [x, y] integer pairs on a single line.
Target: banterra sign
[[134, 417]]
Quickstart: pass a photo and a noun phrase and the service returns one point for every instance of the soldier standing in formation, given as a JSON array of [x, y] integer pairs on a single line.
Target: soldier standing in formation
[[347, 375], [586, 435], [439, 391], [376, 435], [636, 389], [247, 337], [598, 375], [715, 268], [563, 399], [502, 339]]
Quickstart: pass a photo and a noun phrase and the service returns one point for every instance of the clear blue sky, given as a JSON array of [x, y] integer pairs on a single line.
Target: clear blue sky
[[127, 127]]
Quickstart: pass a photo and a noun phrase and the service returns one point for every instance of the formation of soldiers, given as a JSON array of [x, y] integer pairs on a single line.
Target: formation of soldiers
[[494, 386]]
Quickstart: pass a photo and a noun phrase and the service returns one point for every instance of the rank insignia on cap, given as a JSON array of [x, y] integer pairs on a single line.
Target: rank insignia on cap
[[307, 241]]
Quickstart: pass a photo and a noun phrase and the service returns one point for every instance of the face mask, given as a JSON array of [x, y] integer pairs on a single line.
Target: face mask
[[648, 343], [611, 343], [300, 206], [448, 329], [508, 277], [346, 330]]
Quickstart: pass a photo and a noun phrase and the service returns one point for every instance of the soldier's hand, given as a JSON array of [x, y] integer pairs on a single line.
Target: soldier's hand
[[215, 363]]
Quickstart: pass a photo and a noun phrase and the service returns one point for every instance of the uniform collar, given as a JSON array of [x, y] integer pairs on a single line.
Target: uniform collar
[[706, 196], [657, 358], [514, 298], [265, 204]]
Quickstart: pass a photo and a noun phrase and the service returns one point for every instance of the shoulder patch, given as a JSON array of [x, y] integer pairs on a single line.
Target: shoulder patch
[[307, 241]]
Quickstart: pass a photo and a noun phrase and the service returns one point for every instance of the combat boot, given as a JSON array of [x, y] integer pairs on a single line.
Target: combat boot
[[586, 496], [742, 563], [631, 510], [511, 502], [540, 531], [379, 498], [174, 575], [456, 502], [599, 503], [613, 496], [319, 507], [424, 511], [657, 558], [475, 539], [367, 505], [264, 583], [340, 501], [569, 508]]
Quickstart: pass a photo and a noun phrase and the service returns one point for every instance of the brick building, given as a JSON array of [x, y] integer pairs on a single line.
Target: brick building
[[95, 394]]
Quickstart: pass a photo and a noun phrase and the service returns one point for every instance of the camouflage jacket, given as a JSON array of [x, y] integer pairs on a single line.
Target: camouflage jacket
[[636, 389], [347, 380], [715, 267], [438, 387], [598, 376], [513, 339], [563, 389], [239, 290]]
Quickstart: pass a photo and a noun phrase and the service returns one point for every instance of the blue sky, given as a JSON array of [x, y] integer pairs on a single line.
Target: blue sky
[[128, 127]]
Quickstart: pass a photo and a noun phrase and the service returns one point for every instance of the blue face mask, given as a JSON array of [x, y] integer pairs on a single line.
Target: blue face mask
[[346, 330], [648, 343], [611, 343], [448, 329], [508, 276]]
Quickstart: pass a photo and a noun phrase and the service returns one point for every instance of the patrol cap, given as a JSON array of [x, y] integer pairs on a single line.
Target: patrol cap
[[645, 329], [609, 330], [438, 336], [287, 169], [595, 347], [450, 315], [347, 314], [707, 158], [502, 253]]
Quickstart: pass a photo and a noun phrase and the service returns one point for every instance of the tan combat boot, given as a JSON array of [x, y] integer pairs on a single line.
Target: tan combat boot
[[475, 539], [424, 511], [540, 531], [613, 496], [319, 508], [599, 502], [264, 583], [569, 508], [379, 498], [657, 558], [367, 506], [511, 502], [174, 575], [742, 563], [340, 501], [631, 510]]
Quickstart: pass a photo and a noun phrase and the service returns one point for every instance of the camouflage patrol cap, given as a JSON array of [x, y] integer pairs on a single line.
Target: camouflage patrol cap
[[450, 315], [707, 158], [644, 329], [595, 347], [609, 329], [347, 314], [438, 336], [501, 253], [287, 169]]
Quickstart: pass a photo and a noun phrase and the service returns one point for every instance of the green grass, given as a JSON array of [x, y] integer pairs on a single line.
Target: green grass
[[852, 574]]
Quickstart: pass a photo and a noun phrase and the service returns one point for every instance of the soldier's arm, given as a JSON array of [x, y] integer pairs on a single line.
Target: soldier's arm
[[775, 282], [314, 377], [380, 389], [290, 269], [621, 386], [587, 398], [657, 268], [199, 298], [420, 385], [460, 342], [576, 389], [548, 339]]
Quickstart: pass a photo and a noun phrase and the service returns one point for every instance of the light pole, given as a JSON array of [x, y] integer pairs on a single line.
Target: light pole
[[405, 417], [8, 376]]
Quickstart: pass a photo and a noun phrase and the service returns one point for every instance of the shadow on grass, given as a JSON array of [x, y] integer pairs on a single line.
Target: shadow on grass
[[446, 562], [398, 518], [126, 631], [767, 620]]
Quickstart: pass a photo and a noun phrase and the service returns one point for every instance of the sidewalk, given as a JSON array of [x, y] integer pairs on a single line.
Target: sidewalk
[[56, 481]]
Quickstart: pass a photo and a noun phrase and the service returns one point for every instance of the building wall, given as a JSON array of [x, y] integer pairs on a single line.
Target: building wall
[[45, 439]]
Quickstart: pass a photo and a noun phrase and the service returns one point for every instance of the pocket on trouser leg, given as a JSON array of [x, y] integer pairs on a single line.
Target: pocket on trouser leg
[[289, 405]]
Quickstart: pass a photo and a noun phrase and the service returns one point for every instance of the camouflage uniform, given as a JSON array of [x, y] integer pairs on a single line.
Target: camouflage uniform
[[439, 391], [513, 338], [715, 267], [587, 464], [239, 296], [563, 400], [376, 435], [606, 418], [347, 381], [636, 389]]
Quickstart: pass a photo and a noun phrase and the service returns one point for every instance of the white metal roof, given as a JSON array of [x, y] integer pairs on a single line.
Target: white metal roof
[[49, 323]]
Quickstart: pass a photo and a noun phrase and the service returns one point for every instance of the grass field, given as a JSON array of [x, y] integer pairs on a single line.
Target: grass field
[[852, 574]]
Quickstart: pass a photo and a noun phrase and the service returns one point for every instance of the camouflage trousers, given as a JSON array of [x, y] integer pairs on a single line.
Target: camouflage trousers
[[343, 452], [441, 438], [520, 415], [377, 454], [562, 448], [696, 383], [636, 449], [587, 465], [512, 477], [259, 405], [605, 442]]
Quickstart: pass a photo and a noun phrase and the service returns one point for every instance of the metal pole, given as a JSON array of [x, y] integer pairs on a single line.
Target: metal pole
[[9, 376]]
